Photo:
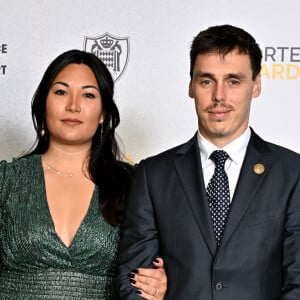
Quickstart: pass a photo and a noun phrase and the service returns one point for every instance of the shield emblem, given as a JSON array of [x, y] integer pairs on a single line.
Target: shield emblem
[[112, 50]]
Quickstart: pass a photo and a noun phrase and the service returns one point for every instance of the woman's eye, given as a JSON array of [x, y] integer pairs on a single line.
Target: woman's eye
[[60, 92], [89, 95]]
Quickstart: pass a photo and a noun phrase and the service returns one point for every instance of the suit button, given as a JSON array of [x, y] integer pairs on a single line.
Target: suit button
[[219, 286]]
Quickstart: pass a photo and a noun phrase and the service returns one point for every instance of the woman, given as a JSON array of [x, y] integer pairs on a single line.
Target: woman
[[61, 204]]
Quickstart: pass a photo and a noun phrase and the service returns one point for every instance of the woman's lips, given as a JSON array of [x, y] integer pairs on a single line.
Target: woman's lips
[[71, 122]]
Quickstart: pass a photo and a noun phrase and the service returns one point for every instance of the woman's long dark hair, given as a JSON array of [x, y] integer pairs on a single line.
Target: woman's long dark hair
[[110, 175]]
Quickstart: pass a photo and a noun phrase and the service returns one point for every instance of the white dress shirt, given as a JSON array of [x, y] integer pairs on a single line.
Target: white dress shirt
[[236, 151]]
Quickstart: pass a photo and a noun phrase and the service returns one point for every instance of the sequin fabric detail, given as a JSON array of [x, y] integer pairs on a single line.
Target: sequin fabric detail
[[60, 284], [34, 263]]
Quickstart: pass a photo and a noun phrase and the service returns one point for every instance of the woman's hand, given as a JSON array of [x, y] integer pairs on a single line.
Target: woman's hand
[[150, 283]]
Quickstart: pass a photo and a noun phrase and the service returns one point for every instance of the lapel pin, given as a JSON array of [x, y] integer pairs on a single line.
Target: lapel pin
[[258, 169]]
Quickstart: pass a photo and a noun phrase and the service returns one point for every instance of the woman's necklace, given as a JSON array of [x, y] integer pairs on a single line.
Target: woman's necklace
[[58, 172]]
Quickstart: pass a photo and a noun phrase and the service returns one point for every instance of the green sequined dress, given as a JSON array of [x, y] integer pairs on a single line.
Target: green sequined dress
[[34, 262]]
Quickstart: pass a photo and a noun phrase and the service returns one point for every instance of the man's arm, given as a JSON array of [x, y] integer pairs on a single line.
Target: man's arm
[[139, 244], [291, 248]]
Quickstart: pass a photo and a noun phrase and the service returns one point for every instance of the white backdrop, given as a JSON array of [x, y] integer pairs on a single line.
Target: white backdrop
[[151, 93]]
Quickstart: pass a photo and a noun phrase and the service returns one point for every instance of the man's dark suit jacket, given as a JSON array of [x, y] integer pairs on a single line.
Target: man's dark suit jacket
[[167, 215]]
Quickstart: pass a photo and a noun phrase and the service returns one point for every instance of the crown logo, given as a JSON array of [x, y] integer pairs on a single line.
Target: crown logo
[[112, 50], [106, 42]]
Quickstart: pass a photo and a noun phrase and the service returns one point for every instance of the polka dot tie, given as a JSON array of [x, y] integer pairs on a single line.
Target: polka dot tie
[[218, 194]]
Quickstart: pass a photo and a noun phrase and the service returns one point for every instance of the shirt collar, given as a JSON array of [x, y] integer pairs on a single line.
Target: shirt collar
[[236, 149]]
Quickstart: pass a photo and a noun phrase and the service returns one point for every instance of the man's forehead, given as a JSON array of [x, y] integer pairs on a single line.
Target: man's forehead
[[215, 64], [232, 59], [223, 56]]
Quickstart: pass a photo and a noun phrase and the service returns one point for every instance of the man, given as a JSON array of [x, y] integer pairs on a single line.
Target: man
[[225, 232]]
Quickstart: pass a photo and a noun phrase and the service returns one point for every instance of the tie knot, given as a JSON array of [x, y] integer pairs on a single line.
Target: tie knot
[[219, 157]]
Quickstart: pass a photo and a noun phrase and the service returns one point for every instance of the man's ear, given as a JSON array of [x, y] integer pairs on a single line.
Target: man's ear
[[191, 94], [257, 86]]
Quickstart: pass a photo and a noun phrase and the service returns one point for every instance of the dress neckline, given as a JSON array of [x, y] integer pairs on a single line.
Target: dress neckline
[[44, 200]]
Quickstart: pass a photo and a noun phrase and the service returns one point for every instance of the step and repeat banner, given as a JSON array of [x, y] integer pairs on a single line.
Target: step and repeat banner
[[145, 45]]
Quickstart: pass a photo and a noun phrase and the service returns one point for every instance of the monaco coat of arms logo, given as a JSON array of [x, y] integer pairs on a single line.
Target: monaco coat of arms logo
[[112, 50]]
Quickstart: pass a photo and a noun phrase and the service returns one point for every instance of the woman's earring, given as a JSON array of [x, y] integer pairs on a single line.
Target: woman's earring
[[101, 133], [42, 131]]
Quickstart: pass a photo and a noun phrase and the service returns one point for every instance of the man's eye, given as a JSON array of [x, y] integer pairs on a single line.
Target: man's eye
[[205, 82], [234, 82]]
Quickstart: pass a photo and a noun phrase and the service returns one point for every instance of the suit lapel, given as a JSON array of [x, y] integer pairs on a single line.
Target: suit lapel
[[248, 184], [189, 170]]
